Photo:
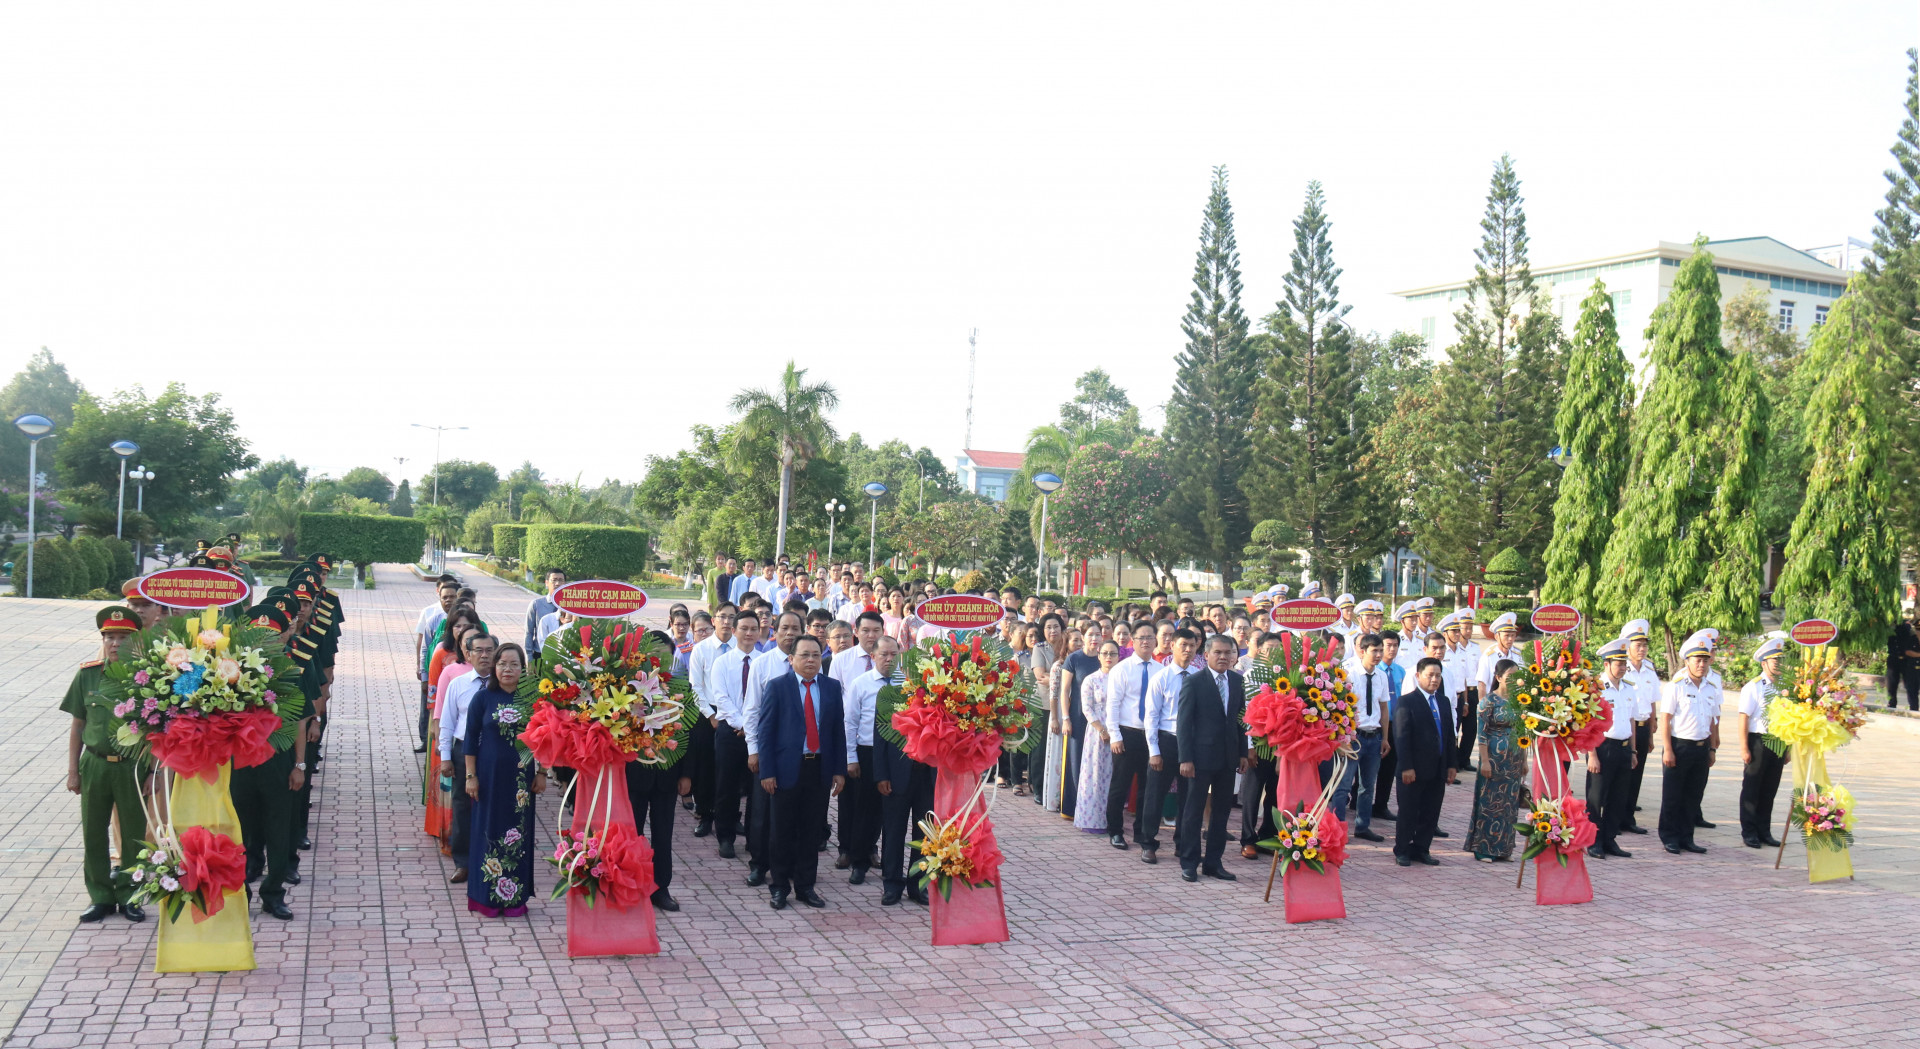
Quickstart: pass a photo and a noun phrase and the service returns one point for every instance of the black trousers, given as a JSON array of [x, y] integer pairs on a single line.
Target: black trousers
[[1419, 816], [460, 825], [700, 764], [1383, 786], [1909, 676], [1153, 800], [1759, 785], [1129, 771], [1467, 716], [265, 807], [732, 780], [1070, 790], [1681, 788], [1036, 758], [860, 813], [1259, 790], [654, 793], [796, 815], [423, 713], [1642, 747], [1207, 797], [1608, 791], [900, 814]]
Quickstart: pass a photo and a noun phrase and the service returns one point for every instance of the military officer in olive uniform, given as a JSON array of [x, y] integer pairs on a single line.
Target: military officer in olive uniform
[[104, 779], [264, 797]]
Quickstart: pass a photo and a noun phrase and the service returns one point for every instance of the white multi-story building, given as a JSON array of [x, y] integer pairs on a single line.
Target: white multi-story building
[[1799, 286]]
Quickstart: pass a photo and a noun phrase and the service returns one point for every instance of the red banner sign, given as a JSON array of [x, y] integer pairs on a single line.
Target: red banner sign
[[1307, 613], [1556, 619], [1813, 632], [194, 588], [600, 598], [960, 611]]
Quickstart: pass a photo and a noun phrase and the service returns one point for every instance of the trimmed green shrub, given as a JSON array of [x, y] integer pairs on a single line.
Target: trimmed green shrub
[[91, 554], [53, 568], [587, 551], [509, 540], [973, 580], [1509, 577], [123, 566], [363, 539]]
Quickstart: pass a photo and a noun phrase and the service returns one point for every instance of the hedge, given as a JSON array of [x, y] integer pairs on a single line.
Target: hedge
[[123, 566], [92, 555], [509, 539], [53, 568], [363, 538], [586, 551]]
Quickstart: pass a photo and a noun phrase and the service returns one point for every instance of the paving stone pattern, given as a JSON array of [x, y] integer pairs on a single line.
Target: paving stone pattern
[[1712, 950]]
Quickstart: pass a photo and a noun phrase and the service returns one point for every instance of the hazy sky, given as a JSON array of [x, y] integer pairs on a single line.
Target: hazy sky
[[579, 228]]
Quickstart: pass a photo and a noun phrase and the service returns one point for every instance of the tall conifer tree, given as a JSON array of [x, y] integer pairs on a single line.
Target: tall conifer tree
[[1595, 408], [1893, 287], [1210, 415], [1307, 442], [1843, 562], [1685, 546], [1490, 485]]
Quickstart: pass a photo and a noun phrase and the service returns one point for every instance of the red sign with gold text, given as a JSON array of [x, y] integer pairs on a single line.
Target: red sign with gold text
[[1306, 613], [194, 588], [960, 611], [1813, 632], [1556, 619], [600, 598]]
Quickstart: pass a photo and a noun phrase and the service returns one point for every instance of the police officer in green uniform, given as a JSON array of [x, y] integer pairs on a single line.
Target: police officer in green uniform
[[104, 779], [310, 652], [264, 797]]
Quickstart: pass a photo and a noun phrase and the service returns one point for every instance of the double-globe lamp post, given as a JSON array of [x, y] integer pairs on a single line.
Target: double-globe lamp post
[[35, 427], [1048, 484], [874, 490], [140, 476], [125, 450], [834, 506]]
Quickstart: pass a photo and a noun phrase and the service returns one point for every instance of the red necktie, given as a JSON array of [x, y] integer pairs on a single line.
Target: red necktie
[[813, 731]]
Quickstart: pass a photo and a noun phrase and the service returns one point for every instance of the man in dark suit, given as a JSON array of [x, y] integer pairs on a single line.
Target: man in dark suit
[[905, 787], [1423, 738], [1213, 746], [803, 762]]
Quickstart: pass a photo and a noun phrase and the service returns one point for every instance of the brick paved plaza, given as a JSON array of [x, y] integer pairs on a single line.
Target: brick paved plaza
[[1712, 950]]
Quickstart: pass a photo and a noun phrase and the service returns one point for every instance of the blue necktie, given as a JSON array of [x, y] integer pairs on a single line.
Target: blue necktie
[[1144, 668], [1433, 705]]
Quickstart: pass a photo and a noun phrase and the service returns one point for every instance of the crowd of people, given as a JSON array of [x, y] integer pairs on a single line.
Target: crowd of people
[[1140, 706]]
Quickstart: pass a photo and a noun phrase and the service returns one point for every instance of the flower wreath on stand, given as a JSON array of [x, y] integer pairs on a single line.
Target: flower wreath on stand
[[1304, 711], [192, 694], [1556, 699], [957, 704], [604, 695], [1816, 712]]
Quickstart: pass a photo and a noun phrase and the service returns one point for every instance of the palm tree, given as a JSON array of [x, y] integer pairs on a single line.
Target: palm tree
[[570, 504], [1049, 447], [795, 416], [274, 514]]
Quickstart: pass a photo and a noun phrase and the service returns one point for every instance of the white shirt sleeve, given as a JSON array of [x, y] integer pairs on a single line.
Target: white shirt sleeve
[[850, 722]]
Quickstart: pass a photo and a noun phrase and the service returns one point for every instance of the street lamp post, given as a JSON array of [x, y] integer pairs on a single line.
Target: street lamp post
[[437, 432], [141, 475], [874, 490], [125, 450], [923, 480], [834, 506], [1048, 484], [35, 427]]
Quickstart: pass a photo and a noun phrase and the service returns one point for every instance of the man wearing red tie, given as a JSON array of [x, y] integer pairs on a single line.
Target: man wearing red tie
[[803, 761]]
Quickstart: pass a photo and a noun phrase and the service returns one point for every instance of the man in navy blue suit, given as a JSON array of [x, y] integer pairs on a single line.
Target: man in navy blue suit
[[1423, 738], [803, 762]]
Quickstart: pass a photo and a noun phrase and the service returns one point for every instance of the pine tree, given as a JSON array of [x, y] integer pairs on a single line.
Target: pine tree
[[1893, 288], [1843, 563], [1210, 415], [1487, 483], [1685, 546], [402, 504], [1308, 444], [1592, 425]]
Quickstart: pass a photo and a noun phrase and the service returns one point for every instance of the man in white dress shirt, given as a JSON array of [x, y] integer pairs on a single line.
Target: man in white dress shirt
[[1610, 765], [1645, 679], [1689, 737], [742, 583], [453, 731], [1373, 690], [1760, 766], [1127, 686], [1162, 721], [767, 665], [860, 685], [1464, 656], [727, 681], [700, 675]]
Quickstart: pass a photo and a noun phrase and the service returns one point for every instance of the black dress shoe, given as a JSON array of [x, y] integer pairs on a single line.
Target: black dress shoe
[[133, 912], [1189, 874], [1386, 814], [778, 902], [891, 897], [421, 749], [276, 909], [1705, 824], [1595, 851], [917, 895], [1616, 850], [1441, 834], [664, 901], [1220, 873], [1367, 835], [97, 912], [306, 844], [1403, 861], [1429, 860], [1636, 808], [1118, 841], [810, 898], [1675, 849], [726, 850], [1694, 848], [1752, 843], [846, 861], [703, 828], [1634, 830], [756, 876], [1149, 855], [292, 877], [858, 877], [1770, 842], [252, 875]]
